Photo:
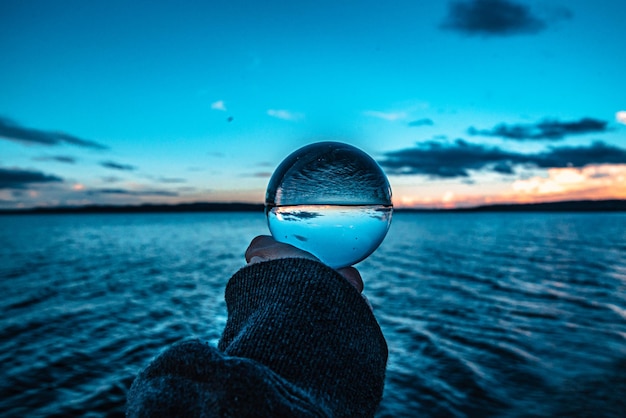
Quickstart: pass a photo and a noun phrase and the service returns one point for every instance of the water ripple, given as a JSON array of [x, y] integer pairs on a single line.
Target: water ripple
[[487, 315]]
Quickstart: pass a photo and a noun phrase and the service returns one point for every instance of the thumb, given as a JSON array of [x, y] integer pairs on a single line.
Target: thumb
[[353, 276]]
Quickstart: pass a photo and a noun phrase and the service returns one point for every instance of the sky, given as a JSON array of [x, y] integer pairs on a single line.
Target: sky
[[461, 102]]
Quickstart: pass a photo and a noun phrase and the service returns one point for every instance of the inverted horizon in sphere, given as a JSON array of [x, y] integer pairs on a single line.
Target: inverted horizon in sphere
[[332, 200]]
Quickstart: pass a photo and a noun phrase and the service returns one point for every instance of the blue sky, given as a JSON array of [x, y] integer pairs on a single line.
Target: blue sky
[[461, 102]]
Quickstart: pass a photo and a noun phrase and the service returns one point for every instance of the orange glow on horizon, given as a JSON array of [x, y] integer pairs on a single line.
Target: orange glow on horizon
[[593, 182]]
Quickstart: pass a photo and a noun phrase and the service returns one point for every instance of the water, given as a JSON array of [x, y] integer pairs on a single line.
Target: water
[[340, 236], [491, 315]]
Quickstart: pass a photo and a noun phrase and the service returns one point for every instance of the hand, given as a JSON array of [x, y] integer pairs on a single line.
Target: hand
[[265, 248]]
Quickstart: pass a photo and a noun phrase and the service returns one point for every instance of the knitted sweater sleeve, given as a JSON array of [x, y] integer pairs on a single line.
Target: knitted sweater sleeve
[[299, 341]]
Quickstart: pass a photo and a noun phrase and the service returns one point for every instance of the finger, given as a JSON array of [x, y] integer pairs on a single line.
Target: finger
[[264, 248], [256, 246], [353, 276]]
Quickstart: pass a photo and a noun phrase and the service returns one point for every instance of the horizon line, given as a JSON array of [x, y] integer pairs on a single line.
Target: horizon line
[[581, 205]]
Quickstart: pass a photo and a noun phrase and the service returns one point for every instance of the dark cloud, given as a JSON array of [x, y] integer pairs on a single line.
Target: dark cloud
[[458, 159], [58, 158], [547, 129], [133, 192], [116, 166], [567, 156], [11, 131], [438, 159], [262, 174], [492, 18], [421, 122], [13, 178]]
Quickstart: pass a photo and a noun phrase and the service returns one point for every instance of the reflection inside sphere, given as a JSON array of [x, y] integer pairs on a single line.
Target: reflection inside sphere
[[332, 200]]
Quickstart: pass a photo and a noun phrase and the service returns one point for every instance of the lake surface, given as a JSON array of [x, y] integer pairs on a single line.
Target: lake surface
[[503, 315]]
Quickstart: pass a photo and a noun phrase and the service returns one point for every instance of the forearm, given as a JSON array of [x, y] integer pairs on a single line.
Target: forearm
[[299, 341], [309, 325]]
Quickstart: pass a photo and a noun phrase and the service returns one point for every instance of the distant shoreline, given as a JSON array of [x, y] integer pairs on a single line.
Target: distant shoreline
[[615, 205]]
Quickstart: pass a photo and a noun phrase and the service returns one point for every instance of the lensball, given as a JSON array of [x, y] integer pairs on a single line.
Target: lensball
[[332, 200]]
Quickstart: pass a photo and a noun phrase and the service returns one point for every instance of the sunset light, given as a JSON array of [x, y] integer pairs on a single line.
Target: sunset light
[[337, 208], [457, 110]]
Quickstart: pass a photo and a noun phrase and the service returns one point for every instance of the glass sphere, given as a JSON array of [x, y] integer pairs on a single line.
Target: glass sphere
[[332, 200]]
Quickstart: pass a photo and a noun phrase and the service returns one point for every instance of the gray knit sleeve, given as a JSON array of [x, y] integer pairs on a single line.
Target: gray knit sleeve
[[309, 325], [299, 341]]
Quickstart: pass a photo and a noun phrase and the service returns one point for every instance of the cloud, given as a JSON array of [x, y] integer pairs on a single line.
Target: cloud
[[590, 182], [493, 18], [116, 166], [219, 105], [171, 180], [390, 116], [421, 122], [11, 131], [133, 192], [596, 153], [285, 114], [445, 160], [14, 178], [621, 116], [547, 129], [58, 158], [186, 189], [111, 179], [458, 159]]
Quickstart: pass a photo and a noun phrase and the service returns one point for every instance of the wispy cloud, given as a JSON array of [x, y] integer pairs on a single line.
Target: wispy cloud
[[458, 159], [11, 131], [117, 166], [111, 179], [15, 178], [421, 122], [285, 114], [621, 116], [495, 18], [58, 158], [547, 129], [133, 192], [219, 105], [171, 180], [390, 116], [260, 174]]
